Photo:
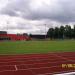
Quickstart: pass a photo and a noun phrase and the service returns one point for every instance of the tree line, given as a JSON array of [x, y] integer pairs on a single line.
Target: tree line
[[62, 32]]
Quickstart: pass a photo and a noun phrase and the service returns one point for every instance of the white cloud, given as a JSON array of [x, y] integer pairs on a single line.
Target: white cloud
[[20, 25], [3, 3]]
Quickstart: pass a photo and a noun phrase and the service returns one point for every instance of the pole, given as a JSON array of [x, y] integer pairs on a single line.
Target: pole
[[45, 31], [7, 25]]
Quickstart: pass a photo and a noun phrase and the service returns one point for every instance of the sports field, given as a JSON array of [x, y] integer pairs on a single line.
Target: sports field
[[37, 57], [23, 47]]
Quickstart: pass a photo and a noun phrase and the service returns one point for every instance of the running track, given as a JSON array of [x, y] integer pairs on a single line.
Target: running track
[[36, 64]]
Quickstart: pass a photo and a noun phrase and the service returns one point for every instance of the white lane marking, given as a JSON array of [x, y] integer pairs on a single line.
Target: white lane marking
[[70, 73], [16, 68]]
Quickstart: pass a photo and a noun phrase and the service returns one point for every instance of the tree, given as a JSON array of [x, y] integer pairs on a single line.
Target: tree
[[25, 34], [74, 31], [61, 32], [50, 33], [68, 31], [56, 33]]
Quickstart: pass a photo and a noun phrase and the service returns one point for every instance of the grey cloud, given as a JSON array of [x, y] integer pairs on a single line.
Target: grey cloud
[[61, 11], [14, 6], [19, 26], [23, 26]]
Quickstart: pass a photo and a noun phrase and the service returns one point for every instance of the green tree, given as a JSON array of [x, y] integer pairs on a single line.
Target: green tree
[[56, 33], [50, 33], [74, 31], [61, 32], [68, 31]]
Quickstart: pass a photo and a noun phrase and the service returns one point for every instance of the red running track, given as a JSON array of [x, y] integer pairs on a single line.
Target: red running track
[[37, 64]]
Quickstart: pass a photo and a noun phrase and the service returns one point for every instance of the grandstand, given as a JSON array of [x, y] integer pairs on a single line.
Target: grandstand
[[14, 37]]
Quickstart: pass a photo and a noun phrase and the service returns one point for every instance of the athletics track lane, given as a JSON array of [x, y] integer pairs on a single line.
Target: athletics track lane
[[36, 64]]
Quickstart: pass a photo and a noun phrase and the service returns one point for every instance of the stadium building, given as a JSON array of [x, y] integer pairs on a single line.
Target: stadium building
[[14, 37]]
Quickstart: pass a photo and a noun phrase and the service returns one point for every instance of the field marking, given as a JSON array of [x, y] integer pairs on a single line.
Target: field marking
[[27, 55], [37, 63], [34, 56], [69, 73], [63, 57], [16, 67], [55, 73], [34, 53], [30, 69], [22, 54], [32, 59], [34, 62], [37, 74], [39, 60], [22, 58], [28, 58]]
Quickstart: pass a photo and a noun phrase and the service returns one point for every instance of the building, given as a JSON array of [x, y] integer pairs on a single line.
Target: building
[[14, 37], [34, 36]]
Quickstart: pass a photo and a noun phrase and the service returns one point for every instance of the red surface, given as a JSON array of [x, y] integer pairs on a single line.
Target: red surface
[[36, 64], [15, 37]]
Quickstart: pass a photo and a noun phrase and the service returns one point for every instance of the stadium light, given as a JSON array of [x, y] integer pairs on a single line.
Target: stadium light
[[45, 31], [7, 25]]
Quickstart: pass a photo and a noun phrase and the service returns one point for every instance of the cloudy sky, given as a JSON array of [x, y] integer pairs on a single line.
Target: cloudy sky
[[31, 16]]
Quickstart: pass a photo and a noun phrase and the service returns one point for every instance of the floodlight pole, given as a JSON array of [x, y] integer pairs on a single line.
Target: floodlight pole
[[45, 31], [7, 25]]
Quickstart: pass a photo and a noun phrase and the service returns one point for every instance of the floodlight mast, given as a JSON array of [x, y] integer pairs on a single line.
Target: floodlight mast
[[7, 25], [45, 31]]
